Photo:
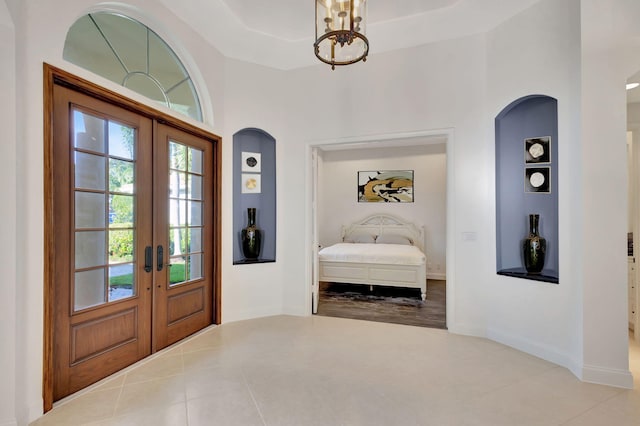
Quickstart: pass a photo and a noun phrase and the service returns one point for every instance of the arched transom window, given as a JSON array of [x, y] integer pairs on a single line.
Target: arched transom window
[[131, 54]]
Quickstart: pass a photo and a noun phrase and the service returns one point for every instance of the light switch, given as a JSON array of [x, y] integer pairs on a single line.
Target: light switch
[[469, 236]]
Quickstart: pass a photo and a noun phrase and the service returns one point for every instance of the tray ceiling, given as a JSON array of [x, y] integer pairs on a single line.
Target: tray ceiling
[[279, 33]]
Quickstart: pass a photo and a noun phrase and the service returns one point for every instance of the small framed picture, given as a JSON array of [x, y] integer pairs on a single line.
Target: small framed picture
[[251, 162], [537, 150], [537, 179], [251, 183]]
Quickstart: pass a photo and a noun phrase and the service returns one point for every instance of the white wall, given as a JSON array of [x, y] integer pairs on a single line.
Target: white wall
[[537, 52], [610, 55], [338, 192], [253, 99], [8, 219]]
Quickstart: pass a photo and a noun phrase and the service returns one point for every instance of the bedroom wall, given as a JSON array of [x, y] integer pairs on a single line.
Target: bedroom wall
[[337, 192]]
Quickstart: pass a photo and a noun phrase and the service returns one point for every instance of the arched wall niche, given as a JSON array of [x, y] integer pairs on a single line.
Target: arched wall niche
[[527, 183], [254, 186]]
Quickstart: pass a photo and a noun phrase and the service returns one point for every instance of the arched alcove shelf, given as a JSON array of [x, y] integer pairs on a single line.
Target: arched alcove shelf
[[254, 186], [523, 123]]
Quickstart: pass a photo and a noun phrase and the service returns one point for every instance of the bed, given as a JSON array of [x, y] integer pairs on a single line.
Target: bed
[[380, 250]]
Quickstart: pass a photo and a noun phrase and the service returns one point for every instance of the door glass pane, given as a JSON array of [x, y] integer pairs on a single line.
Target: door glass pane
[[195, 187], [89, 210], [177, 270], [90, 249], [121, 211], [177, 212], [195, 240], [121, 176], [121, 141], [175, 235], [121, 244], [195, 210], [177, 156], [89, 288], [195, 160], [121, 279], [89, 171], [177, 184], [88, 132], [195, 266]]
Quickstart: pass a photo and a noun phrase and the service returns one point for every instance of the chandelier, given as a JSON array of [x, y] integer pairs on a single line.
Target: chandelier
[[340, 28]]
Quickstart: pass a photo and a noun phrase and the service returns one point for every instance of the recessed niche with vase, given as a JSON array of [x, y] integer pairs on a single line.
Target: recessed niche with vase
[[526, 149], [254, 197]]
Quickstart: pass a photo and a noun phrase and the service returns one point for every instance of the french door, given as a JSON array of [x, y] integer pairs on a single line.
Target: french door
[[132, 238]]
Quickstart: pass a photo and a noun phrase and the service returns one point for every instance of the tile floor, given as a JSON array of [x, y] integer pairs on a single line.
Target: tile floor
[[329, 371]]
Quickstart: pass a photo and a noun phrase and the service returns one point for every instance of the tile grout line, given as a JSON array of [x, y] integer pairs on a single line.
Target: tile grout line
[[253, 398], [115, 406], [186, 400], [593, 407]]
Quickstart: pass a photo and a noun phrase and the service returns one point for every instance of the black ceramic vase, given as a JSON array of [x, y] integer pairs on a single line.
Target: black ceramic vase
[[251, 236], [534, 247]]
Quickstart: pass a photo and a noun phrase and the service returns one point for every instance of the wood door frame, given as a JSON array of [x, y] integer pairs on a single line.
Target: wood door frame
[[54, 76]]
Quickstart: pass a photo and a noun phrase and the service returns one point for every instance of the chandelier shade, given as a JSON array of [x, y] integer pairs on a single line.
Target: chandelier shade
[[340, 31]]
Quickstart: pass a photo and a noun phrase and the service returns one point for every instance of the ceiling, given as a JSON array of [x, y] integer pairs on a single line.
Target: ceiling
[[280, 33]]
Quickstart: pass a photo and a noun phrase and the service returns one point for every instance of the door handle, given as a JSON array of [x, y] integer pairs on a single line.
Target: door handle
[[160, 253], [148, 258]]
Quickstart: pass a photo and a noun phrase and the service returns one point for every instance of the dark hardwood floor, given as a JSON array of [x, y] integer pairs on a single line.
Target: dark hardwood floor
[[385, 304]]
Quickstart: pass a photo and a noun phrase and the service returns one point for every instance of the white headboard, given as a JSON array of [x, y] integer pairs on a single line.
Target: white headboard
[[380, 224]]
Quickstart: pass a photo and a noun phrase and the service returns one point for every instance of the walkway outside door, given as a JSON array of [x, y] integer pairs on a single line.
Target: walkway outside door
[[133, 237]]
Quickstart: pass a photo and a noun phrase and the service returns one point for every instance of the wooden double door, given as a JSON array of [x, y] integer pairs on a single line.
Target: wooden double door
[[132, 237]]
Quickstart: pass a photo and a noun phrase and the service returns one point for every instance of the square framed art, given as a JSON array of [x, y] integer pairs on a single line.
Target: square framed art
[[251, 183], [537, 179], [251, 162], [537, 150]]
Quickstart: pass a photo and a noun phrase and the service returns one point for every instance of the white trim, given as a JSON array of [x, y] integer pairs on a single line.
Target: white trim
[[545, 352], [586, 373], [413, 138], [232, 315], [607, 376], [436, 276]]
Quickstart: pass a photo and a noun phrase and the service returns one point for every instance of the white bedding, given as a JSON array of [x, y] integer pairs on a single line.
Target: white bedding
[[390, 254]]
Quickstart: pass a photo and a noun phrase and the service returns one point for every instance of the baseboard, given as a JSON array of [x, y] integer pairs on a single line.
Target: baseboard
[[541, 351], [607, 376], [295, 312], [436, 276], [9, 422], [241, 315], [586, 373], [466, 330]]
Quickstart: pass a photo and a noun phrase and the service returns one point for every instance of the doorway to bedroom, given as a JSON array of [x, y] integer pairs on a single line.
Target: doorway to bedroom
[[339, 206]]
